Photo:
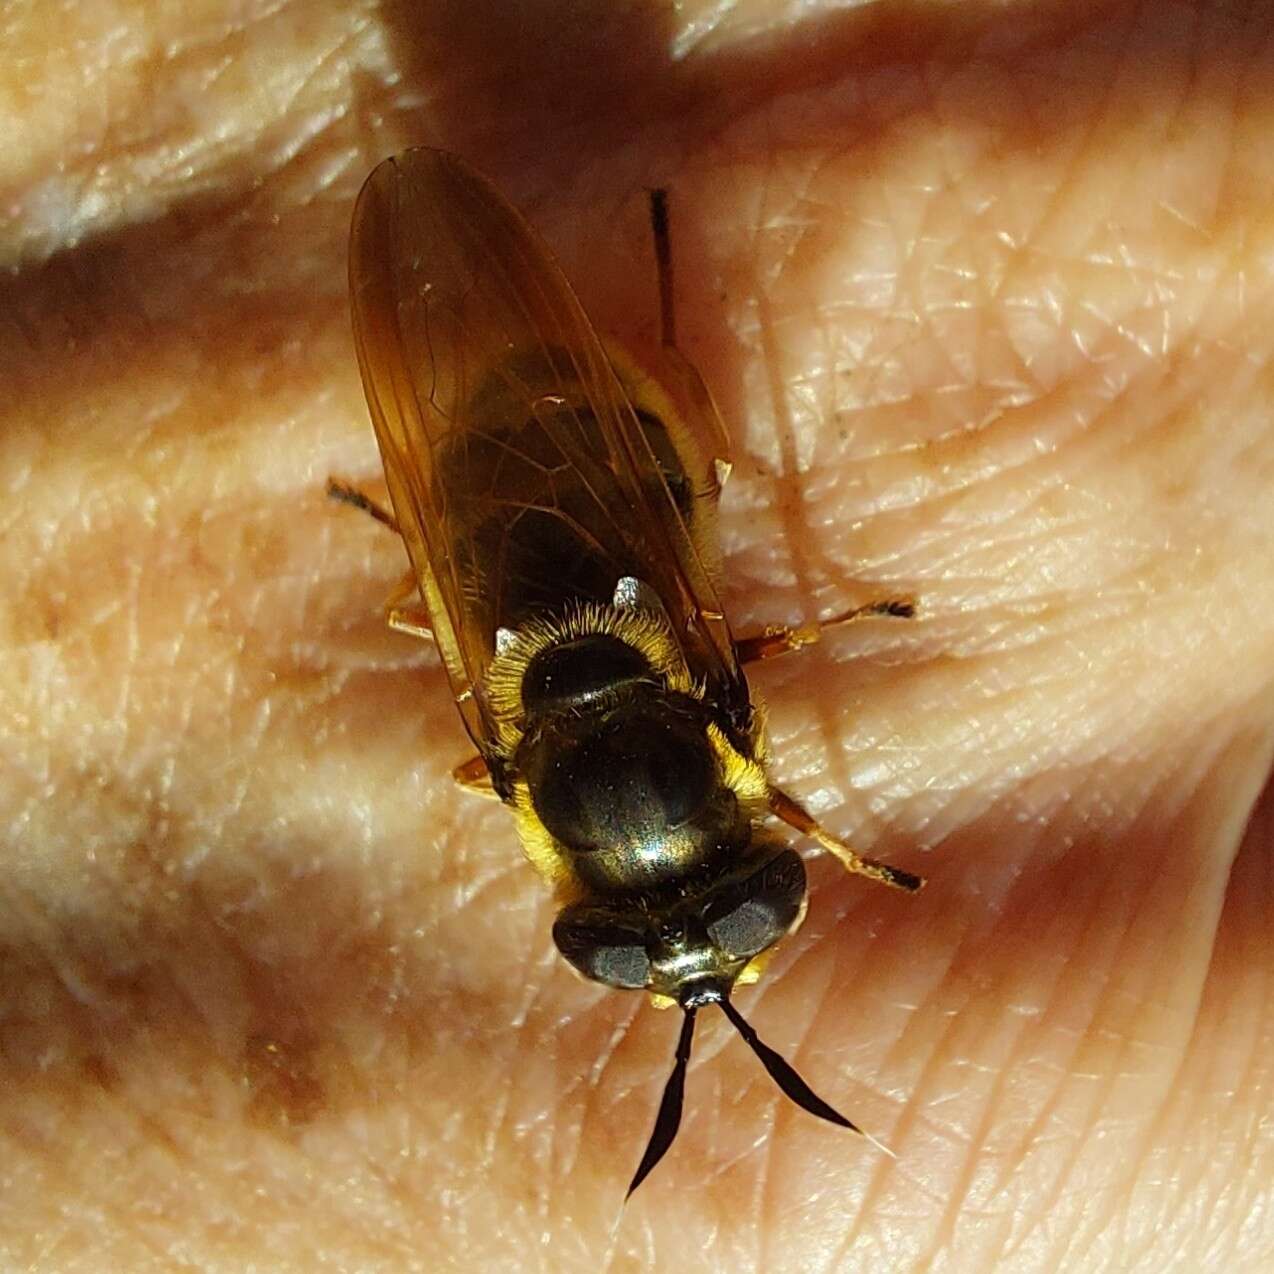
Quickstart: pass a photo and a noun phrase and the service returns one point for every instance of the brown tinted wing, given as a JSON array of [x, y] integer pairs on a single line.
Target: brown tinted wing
[[521, 476]]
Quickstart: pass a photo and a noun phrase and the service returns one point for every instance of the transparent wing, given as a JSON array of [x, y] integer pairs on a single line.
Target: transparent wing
[[521, 475]]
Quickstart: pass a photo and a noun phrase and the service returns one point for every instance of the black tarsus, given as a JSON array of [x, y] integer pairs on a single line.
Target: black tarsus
[[899, 608], [346, 494], [669, 1118], [784, 1074], [663, 265], [898, 878]]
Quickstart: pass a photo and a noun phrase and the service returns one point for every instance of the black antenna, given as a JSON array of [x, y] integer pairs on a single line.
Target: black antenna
[[784, 1074], [669, 1118]]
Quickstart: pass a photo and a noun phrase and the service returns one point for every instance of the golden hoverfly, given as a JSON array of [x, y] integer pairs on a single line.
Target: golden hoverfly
[[560, 517]]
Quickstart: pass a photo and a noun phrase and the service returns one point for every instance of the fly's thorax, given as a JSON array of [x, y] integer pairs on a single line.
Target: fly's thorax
[[630, 786], [613, 759]]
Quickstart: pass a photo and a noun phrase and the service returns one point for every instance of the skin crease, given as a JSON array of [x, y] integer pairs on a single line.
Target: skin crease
[[985, 296]]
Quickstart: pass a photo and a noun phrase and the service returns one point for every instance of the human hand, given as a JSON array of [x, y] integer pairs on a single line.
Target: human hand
[[982, 297]]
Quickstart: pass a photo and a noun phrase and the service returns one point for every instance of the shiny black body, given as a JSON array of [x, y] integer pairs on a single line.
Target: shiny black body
[[679, 892]]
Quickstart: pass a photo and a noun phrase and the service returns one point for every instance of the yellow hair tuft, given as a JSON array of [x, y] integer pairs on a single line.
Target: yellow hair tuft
[[645, 631]]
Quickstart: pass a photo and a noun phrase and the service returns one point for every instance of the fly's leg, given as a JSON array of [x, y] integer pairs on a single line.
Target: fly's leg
[[784, 807], [401, 613], [712, 436], [709, 427], [346, 494], [405, 616], [662, 237], [778, 640], [472, 776]]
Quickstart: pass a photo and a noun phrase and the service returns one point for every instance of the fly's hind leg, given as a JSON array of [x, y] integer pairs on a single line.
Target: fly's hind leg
[[795, 816], [782, 638], [662, 237], [401, 613], [704, 418], [472, 776]]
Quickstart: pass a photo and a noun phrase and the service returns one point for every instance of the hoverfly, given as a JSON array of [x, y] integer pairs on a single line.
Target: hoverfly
[[560, 516]]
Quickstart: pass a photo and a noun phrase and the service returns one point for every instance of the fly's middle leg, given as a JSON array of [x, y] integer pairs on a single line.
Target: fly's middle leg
[[782, 638]]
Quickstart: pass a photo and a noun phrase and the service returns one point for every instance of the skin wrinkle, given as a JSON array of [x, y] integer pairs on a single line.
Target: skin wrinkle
[[1132, 1162], [1142, 1245], [791, 512], [863, 1213], [724, 1167], [1068, 1242], [765, 1205], [901, 1131], [1212, 1208], [172, 56], [1043, 1116], [500, 1119], [1250, 1081], [595, 1089], [972, 1143]]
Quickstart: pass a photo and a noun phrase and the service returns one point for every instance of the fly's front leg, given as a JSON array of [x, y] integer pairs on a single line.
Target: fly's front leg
[[401, 613], [781, 638], [794, 815], [472, 776]]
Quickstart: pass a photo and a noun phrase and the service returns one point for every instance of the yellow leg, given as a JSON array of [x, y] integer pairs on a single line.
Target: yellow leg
[[401, 614], [784, 807], [404, 616], [474, 777], [782, 638]]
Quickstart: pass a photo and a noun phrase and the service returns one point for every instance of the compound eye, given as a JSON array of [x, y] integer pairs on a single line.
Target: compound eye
[[753, 914], [603, 948]]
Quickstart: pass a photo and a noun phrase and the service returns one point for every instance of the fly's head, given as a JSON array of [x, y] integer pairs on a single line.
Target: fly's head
[[689, 947]]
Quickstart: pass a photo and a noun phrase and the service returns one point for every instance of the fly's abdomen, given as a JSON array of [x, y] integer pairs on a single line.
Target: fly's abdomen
[[533, 528]]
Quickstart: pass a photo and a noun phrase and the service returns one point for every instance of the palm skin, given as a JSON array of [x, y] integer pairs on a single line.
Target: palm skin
[[984, 301]]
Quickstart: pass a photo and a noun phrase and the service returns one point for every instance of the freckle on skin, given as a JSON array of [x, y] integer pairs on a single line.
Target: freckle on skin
[[281, 1077]]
